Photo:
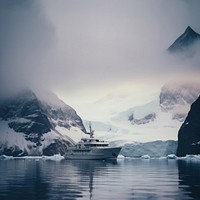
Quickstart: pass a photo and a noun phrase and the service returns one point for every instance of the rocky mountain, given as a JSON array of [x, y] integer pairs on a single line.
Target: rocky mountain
[[142, 114], [177, 97], [189, 133], [37, 123], [185, 41], [174, 98]]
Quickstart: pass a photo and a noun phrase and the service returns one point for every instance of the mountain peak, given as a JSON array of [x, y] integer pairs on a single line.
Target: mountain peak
[[185, 41], [190, 31], [189, 27]]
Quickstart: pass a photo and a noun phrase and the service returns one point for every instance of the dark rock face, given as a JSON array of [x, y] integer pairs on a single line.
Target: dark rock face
[[30, 115], [64, 117], [14, 151], [185, 41], [26, 114], [146, 119], [189, 133], [58, 147]]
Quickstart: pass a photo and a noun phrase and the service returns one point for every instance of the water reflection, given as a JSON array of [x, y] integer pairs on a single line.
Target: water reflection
[[39, 179], [189, 177], [124, 179], [22, 180], [89, 170]]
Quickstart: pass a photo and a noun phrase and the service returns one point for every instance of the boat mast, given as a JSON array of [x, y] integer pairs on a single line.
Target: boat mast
[[91, 131]]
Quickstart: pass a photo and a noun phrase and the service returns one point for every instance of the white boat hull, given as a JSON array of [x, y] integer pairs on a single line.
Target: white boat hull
[[93, 154]]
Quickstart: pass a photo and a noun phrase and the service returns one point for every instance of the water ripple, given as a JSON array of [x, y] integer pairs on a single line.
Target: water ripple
[[97, 180]]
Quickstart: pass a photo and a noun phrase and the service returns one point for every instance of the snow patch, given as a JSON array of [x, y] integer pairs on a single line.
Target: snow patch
[[9, 138], [74, 133]]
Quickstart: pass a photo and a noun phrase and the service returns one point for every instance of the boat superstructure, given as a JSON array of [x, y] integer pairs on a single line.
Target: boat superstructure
[[92, 149]]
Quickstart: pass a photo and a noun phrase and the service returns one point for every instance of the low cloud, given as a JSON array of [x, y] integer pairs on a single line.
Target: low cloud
[[26, 39], [108, 42], [71, 45]]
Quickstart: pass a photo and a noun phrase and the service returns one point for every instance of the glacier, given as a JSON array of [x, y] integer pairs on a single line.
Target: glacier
[[154, 149]]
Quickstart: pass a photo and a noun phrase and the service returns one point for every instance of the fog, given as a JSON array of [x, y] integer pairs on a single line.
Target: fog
[[84, 50], [26, 44]]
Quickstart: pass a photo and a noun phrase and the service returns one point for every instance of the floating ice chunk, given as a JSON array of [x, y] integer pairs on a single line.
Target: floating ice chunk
[[56, 157], [145, 157], [120, 157], [171, 156], [192, 158]]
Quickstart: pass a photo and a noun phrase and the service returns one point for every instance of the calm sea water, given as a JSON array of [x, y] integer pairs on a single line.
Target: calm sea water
[[124, 179]]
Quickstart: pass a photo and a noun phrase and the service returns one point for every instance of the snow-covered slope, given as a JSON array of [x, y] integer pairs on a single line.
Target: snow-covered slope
[[157, 120], [141, 114], [121, 130], [33, 123]]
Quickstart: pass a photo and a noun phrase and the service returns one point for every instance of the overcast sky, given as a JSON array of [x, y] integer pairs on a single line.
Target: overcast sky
[[86, 49]]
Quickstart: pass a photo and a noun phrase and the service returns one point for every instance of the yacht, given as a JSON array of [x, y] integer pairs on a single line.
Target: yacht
[[92, 149]]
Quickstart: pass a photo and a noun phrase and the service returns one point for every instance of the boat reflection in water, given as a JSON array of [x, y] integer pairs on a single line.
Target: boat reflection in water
[[93, 171], [92, 149]]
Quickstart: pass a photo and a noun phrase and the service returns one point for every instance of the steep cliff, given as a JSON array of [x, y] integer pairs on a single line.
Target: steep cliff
[[189, 133]]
